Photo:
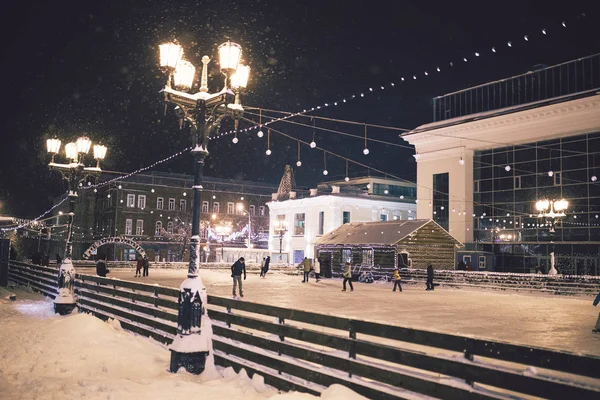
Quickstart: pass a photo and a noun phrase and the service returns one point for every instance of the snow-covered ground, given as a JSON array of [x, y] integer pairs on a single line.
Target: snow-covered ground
[[549, 321], [46, 356]]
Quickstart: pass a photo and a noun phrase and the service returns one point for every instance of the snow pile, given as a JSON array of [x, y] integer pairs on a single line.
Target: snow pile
[[46, 356]]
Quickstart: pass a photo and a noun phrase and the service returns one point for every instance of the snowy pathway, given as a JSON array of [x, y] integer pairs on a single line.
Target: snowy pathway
[[531, 319]]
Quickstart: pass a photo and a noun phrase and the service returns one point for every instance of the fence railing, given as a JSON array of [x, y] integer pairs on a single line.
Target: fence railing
[[305, 351]]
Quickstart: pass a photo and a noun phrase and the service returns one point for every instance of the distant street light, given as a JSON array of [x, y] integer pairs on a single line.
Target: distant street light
[[223, 230], [552, 210], [280, 229], [241, 208], [74, 172], [203, 112]]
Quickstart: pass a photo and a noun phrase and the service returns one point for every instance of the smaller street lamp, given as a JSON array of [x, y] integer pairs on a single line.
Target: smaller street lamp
[[280, 229], [73, 172], [552, 210]]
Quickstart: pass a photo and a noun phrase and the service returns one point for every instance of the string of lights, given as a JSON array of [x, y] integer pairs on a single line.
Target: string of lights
[[35, 219]]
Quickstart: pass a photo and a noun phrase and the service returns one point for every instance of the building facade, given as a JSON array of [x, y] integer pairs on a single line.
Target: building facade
[[155, 211], [481, 174], [306, 217]]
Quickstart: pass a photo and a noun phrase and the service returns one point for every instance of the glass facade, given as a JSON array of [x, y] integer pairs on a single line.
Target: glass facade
[[395, 190], [509, 181], [441, 188]]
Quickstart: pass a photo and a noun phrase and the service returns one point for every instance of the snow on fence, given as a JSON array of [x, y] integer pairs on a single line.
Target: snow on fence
[[305, 351]]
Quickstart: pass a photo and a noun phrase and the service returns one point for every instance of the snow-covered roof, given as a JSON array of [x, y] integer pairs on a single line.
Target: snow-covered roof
[[382, 233]]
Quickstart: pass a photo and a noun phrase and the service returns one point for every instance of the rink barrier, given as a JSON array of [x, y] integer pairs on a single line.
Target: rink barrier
[[285, 357], [41, 279]]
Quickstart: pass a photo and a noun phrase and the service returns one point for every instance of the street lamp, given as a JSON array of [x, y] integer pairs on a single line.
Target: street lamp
[[73, 172], [223, 230], [552, 210], [203, 112], [241, 208], [280, 229]]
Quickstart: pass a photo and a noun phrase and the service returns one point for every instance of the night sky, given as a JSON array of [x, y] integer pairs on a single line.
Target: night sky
[[91, 67]]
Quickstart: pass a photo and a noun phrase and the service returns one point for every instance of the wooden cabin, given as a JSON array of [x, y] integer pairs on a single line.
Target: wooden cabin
[[375, 246]]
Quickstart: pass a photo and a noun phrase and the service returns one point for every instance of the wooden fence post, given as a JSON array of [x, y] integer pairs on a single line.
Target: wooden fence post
[[281, 337], [352, 347]]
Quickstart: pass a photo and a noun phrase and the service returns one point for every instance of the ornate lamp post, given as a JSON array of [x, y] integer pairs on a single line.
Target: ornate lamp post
[[203, 112], [243, 210], [73, 172], [223, 230], [552, 210], [280, 229]]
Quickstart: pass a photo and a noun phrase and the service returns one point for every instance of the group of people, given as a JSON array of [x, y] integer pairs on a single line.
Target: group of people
[[307, 267], [142, 264]]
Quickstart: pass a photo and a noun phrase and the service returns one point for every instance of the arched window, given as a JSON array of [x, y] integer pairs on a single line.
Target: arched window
[[170, 227], [158, 228]]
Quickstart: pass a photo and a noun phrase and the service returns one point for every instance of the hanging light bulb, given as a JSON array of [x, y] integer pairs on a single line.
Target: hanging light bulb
[[550, 173], [298, 163], [507, 168], [365, 151], [234, 140], [346, 179], [594, 178], [268, 152], [325, 172], [461, 161], [260, 133], [313, 144]]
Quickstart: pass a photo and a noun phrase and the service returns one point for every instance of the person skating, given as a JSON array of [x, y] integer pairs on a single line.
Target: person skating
[[262, 267], [236, 273], [266, 266], [430, 285], [101, 269], [317, 269], [397, 280], [138, 267], [145, 265], [305, 264], [58, 260], [348, 277]]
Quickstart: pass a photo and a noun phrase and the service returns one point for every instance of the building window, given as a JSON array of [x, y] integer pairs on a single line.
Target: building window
[[216, 207], [383, 217], [476, 187], [261, 211], [517, 182], [158, 229], [160, 203], [346, 256], [345, 217], [131, 200], [183, 205], [557, 179], [203, 232], [142, 201], [229, 208], [139, 227], [172, 204], [170, 227], [367, 257], [239, 208], [299, 224], [128, 226], [321, 222], [251, 209], [204, 206]]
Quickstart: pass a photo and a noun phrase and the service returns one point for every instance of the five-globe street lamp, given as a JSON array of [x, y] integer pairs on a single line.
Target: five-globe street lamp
[[73, 172], [223, 230], [552, 210], [241, 208], [203, 112], [280, 229]]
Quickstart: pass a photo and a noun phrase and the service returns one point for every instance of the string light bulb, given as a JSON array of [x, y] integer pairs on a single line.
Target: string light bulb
[[347, 178], [550, 173], [507, 168], [260, 132], [268, 152], [461, 161], [594, 178], [312, 143], [325, 172], [298, 163], [366, 149]]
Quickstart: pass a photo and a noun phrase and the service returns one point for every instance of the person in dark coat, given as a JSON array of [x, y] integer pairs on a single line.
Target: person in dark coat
[[236, 273], [430, 285], [265, 266], [58, 260], [146, 265], [139, 264], [101, 269], [461, 266]]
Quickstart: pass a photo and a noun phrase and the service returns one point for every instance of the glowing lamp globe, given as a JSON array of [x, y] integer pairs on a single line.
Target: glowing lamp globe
[[99, 152], [239, 80], [313, 144], [365, 151], [268, 152], [299, 163], [234, 140], [230, 54], [83, 144], [260, 133], [71, 151], [325, 172], [183, 77], [561, 205], [53, 145], [542, 205], [170, 55]]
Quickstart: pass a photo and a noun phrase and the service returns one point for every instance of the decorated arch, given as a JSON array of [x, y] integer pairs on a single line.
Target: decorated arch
[[111, 240]]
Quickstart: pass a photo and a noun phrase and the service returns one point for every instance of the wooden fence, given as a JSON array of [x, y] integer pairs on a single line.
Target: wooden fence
[[304, 351]]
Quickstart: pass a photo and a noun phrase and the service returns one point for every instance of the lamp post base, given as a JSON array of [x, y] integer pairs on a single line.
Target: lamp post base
[[194, 363], [64, 308]]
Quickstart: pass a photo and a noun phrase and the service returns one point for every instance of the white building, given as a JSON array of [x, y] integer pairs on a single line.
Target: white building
[[304, 219]]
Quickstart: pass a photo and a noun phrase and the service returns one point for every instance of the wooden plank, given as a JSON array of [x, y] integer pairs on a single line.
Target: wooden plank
[[48, 279], [161, 325], [270, 379], [34, 286], [309, 374], [159, 302], [34, 266], [412, 382], [138, 307], [167, 291]]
